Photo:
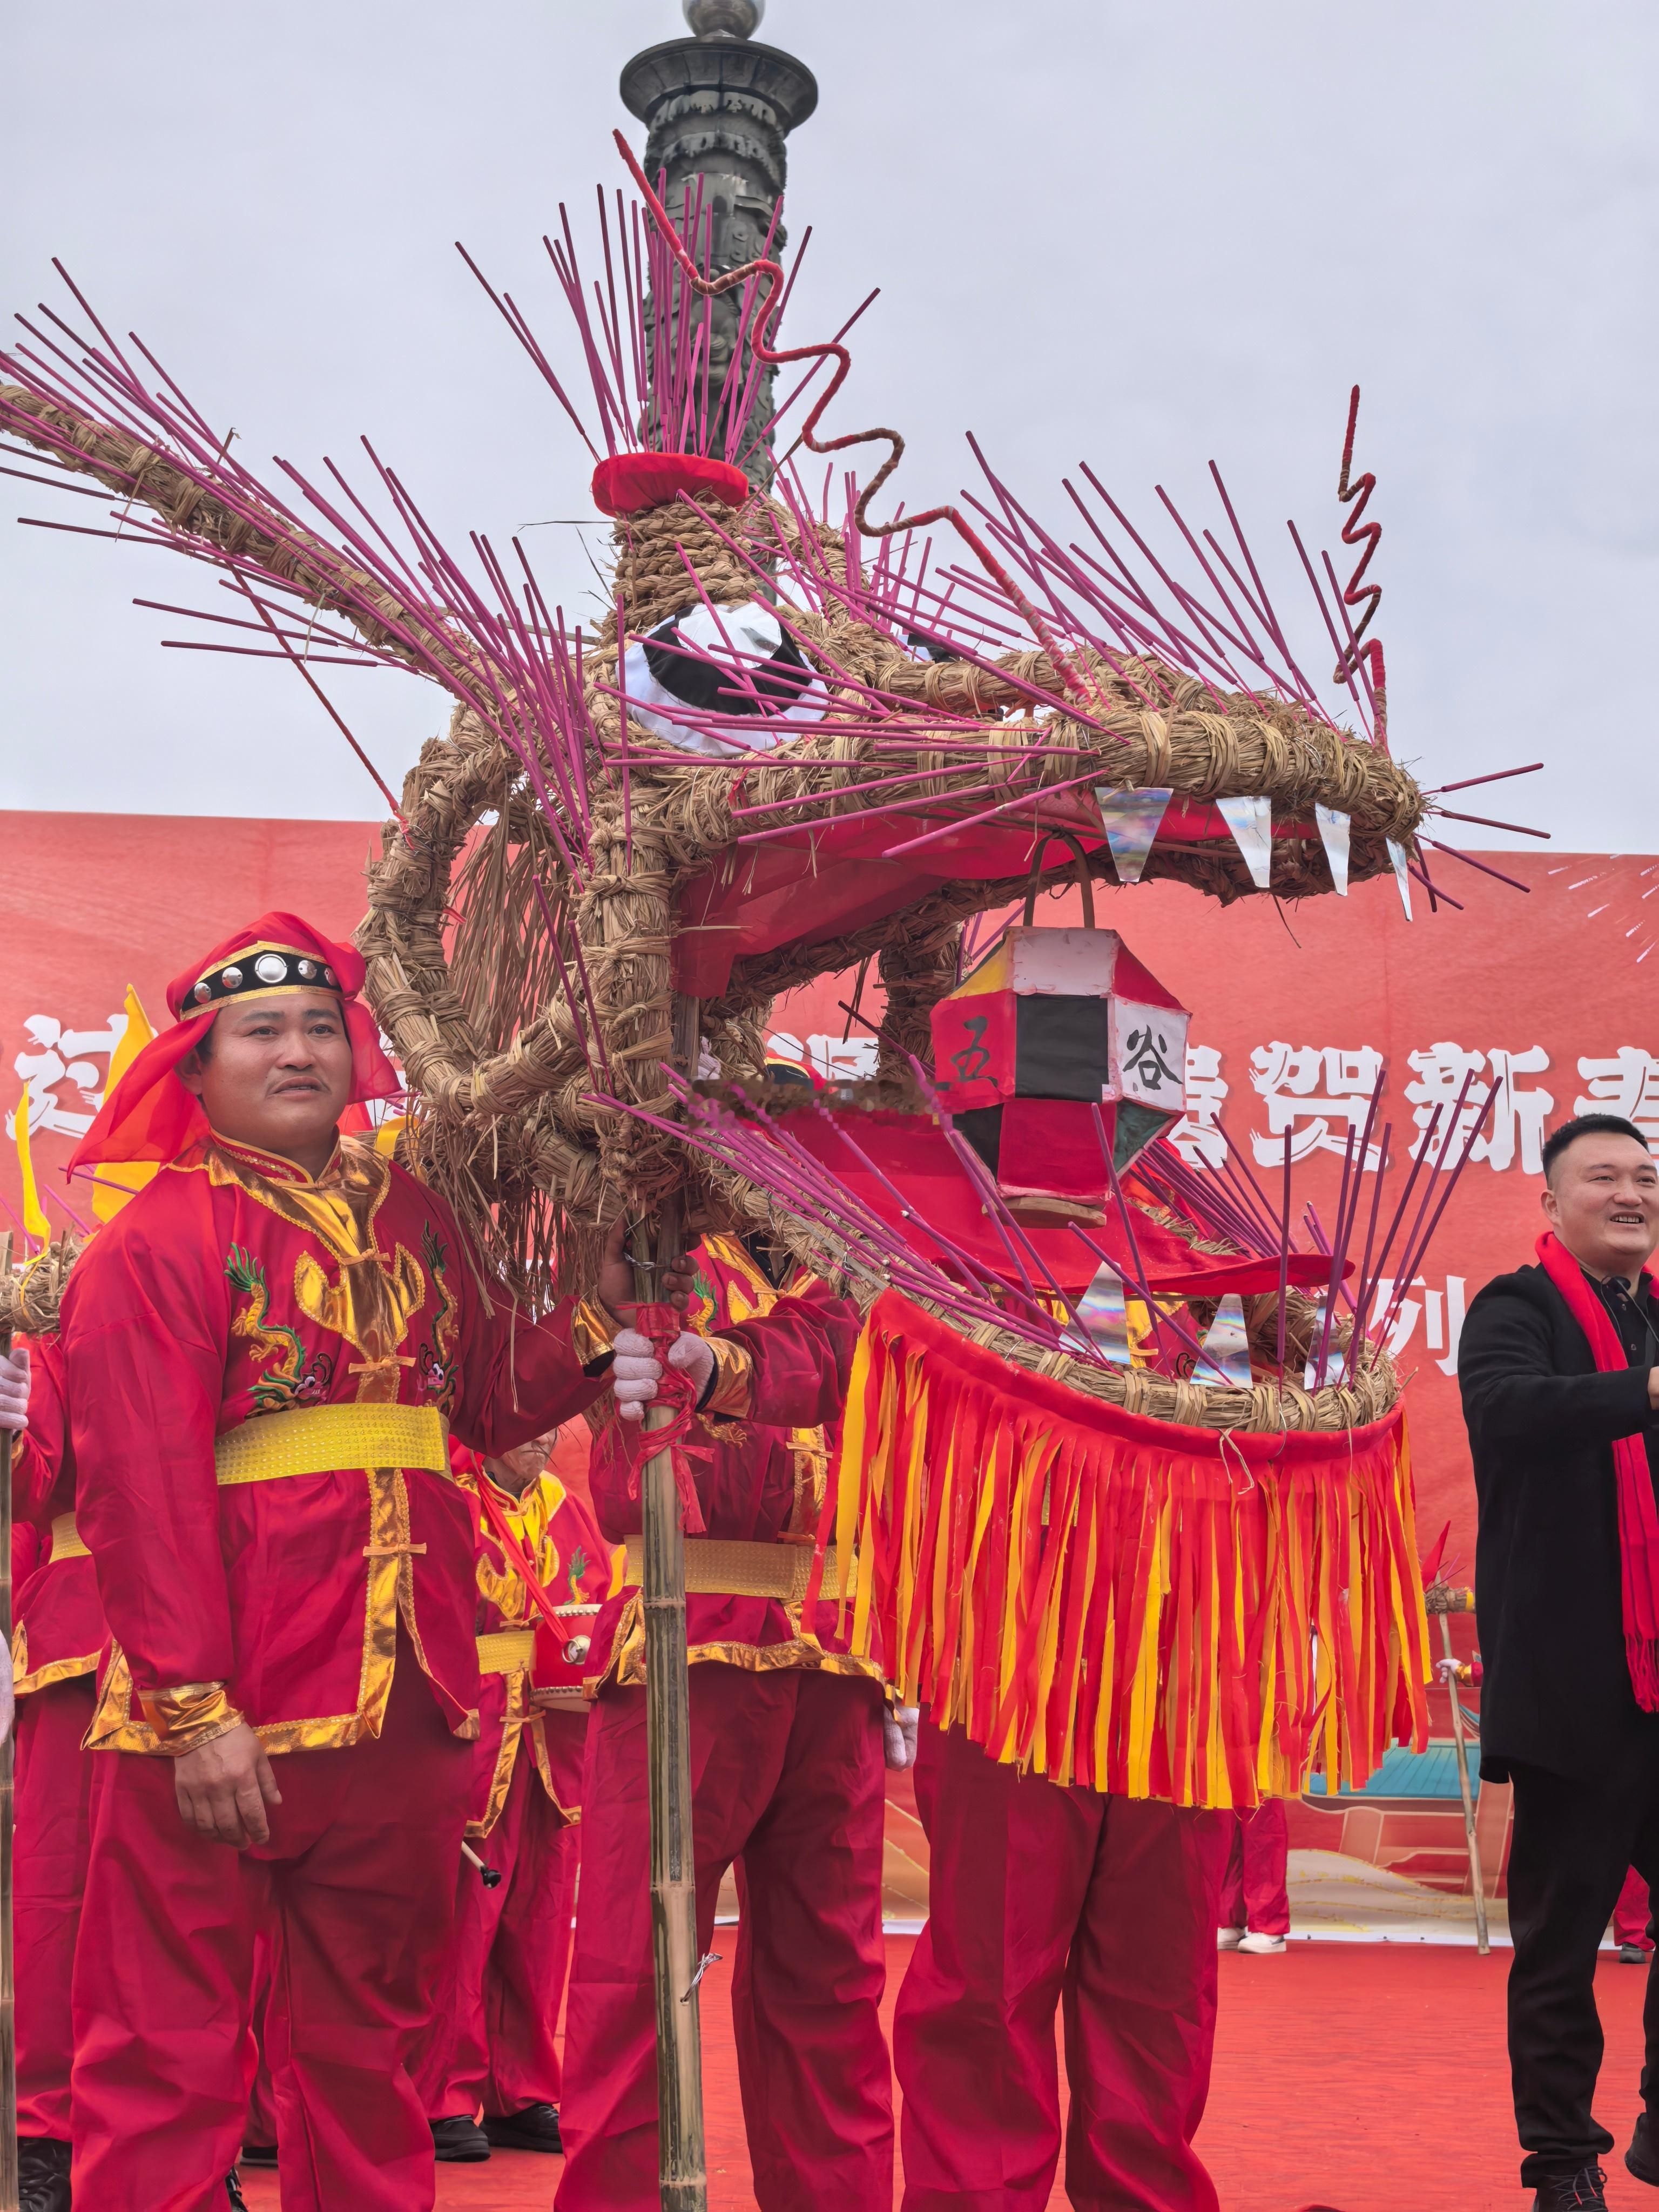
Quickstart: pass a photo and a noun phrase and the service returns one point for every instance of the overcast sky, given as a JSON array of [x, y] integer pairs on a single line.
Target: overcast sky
[[1141, 232]]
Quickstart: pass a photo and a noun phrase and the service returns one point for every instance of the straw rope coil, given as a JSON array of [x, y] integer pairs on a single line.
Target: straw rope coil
[[30, 1296]]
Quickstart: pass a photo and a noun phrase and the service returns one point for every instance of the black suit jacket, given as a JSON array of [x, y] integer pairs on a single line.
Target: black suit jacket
[[1543, 1424]]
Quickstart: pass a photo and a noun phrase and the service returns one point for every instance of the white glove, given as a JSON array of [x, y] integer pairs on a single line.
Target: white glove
[[899, 1725], [708, 1068], [634, 1372], [692, 1355], [15, 1392]]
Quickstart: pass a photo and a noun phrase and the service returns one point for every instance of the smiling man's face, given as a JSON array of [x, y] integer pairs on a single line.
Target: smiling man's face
[[277, 1075], [1602, 1201]]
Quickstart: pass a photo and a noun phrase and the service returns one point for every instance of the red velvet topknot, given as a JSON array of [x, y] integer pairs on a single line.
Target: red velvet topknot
[[150, 1115]]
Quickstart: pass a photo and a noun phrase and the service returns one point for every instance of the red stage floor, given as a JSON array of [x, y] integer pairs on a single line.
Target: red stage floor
[[1368, 2077]]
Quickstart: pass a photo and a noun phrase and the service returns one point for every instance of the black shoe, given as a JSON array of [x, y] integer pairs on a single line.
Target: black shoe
[[459, 2143], [42, 2174], [1640, 2157], [1578, 2192], [262, 2154], [233, 2192], [1633, 1954], [536, 2128]]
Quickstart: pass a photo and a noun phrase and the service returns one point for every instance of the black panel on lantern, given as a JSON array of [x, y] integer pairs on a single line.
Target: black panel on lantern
[[1060, 1048], [1135, 1129], [982, 1127]]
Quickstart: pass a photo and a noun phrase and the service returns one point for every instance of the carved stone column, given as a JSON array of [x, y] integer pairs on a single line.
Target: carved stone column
[[719, 107]]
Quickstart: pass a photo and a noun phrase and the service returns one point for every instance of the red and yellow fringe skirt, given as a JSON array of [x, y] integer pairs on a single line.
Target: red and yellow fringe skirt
[[1152, 1610]]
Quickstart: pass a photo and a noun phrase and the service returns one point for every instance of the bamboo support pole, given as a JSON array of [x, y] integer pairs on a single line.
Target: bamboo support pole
[[8, 2001], [682, 2177], [1482, 1942]]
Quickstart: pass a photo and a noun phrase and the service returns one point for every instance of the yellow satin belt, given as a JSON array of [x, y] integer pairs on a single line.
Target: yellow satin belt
[[326, 1439], [65, 1543], [720, 1567], [504, 1648]]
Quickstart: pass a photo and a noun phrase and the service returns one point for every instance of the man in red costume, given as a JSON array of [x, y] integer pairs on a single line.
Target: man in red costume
[[1042, 1896], [1255, 1897], [787, 1772], [491, 2045], [266, 1351], [57, 1635]]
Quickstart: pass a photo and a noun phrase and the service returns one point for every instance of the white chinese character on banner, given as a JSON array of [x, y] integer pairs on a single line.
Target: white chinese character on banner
[[1314, 1087], [1441, 1313], [1628, 1085], [58, 1058], [833, 1059], [842, 1059], [1197, 1135], [1518, 1115]]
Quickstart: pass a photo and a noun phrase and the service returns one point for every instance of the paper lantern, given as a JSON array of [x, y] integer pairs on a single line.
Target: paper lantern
[[1052, 1026]]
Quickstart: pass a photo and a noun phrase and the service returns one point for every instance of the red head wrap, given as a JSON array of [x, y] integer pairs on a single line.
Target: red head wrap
[[150, 1115]]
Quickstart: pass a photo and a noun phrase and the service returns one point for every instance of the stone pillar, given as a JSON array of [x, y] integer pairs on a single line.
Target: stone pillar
[[718, 107]]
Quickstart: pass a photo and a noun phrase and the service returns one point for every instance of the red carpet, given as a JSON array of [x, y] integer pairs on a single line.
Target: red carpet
[[1369, 2077]]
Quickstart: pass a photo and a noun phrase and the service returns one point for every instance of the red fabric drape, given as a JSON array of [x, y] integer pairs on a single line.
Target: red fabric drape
[[1152, 1609]]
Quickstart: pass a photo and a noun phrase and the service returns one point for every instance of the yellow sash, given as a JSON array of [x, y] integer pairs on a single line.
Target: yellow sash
[[324, 1439], [719, 1566], [65, 1543], [504, 1648]]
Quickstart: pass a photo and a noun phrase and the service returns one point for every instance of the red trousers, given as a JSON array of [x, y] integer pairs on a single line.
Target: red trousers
[[49, 1873], [356, 1891], [491, 2044], [1630, 1925], [787, 1773], [1254, 1894], [261, 2123], [1041, 1896]]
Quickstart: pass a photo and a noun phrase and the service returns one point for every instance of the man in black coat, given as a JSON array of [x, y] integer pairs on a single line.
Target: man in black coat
[[1559, 1718]]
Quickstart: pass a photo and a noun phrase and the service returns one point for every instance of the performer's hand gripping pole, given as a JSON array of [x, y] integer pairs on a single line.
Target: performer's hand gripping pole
[[682, 2172], [8, 2011], [1442, 1599]]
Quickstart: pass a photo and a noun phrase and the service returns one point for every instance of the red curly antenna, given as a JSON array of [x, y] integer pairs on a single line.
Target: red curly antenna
[[766, 314], [1355, 531]]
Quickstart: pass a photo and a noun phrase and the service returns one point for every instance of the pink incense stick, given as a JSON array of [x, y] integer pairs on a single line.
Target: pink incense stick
[[1484, 821], [1470, 862], [1357, 1333], [1498, 775]]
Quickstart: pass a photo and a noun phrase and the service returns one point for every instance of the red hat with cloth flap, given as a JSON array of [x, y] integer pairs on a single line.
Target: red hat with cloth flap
[[151, 1116]]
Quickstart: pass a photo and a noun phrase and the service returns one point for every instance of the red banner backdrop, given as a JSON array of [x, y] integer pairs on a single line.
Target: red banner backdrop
[[1293, 1014]]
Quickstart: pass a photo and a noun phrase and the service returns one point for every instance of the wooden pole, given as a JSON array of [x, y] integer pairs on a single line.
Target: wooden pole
[[1444, 1601], [7, 2004], [681, 2168]]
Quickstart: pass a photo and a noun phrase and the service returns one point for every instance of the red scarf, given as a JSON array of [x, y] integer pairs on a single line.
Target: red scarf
[[1639, 1516]]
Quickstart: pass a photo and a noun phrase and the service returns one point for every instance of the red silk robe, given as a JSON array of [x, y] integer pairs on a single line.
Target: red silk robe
[[491, 2041], [574, 1566], [58, 1634], [57, 1630], [760, 1479], [234, 1287]]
